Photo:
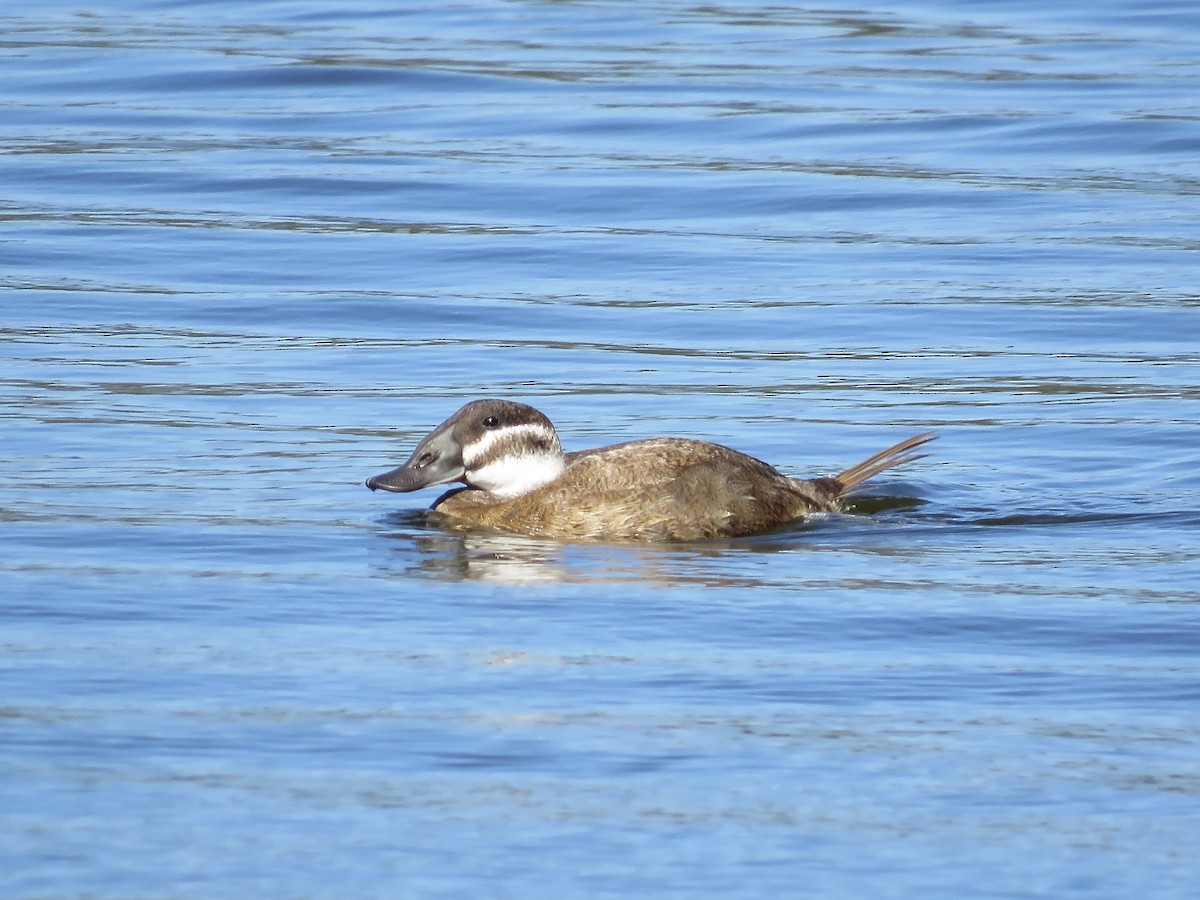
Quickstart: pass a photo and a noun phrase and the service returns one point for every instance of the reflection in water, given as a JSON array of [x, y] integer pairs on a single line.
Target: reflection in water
[[488, 556], [493, 556]]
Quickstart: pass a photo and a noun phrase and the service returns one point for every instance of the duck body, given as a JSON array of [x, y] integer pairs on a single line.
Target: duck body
[[518, 479]]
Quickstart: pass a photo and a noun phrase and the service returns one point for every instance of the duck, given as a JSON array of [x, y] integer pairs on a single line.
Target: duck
[[516, 478]]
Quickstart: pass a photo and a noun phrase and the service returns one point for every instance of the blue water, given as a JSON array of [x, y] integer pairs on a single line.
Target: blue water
[[252, 252]]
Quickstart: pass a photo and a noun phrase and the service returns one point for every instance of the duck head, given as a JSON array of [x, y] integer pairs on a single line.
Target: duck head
[[498, 446]]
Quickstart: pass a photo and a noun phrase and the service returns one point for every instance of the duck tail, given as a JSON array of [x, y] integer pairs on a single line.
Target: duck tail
[[849, 481]]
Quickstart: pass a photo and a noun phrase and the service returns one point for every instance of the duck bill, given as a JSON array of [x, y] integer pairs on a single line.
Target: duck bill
[[437, 460]]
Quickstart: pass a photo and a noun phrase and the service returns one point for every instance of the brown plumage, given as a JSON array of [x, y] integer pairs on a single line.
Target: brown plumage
[[661, 489]]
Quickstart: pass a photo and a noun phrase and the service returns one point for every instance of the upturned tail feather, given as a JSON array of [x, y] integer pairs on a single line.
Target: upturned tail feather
[[850, 481]]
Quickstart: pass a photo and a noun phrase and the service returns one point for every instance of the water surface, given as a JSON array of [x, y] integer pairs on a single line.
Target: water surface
[[252, 252]]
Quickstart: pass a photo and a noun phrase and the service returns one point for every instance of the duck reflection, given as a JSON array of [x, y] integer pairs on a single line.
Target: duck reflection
[[428, 545], [425, 546]]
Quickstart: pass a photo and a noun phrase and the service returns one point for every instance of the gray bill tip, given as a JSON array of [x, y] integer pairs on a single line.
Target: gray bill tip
[[399, 480]]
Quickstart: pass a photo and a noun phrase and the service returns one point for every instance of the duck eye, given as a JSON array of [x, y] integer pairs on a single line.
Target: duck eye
[[491, 422]]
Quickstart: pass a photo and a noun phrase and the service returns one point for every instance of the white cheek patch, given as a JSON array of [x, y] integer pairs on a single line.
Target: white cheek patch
[[528, 434], [511, 476]]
